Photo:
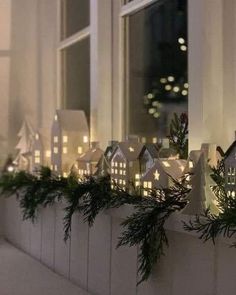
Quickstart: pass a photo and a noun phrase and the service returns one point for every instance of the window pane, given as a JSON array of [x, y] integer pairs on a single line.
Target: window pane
[[75, 16], [157, 67], [76, 76]]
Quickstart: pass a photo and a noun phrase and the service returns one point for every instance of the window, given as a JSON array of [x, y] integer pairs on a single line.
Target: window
[[74, 55], [75, 16], [156, 82]]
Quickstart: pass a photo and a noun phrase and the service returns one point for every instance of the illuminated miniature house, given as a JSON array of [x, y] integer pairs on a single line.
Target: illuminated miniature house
[[104, 164], [88, 161], [162, 173], [230, 170], [69, 138], [191, 163], [125, 163], [201, 195], [41, 150]]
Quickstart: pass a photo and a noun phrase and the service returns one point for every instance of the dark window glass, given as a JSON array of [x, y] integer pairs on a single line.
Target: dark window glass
[[156, 67], [76, 76], [75, 16]]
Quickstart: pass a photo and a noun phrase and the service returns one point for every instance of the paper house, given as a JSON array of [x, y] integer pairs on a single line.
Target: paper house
[[125, 163], [162, 173], [69, 138], [230, 170], [41, 150], [192, 161], [103, 166], [213, 153], [88, 161], [201, 195]]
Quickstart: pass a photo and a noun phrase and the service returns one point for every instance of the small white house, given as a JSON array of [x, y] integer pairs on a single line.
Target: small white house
[[125, 163], [230, 170], [161, 173], [87, 163], [41, 150], [69, 138]]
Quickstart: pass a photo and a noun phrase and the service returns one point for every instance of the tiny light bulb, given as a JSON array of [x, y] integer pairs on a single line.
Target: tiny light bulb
[[171, 79], [181, 40], [163, 80], [183, 47], [168, 87], [184, 92], [186, 85], [176, 89], [10, 168], [150, 96]]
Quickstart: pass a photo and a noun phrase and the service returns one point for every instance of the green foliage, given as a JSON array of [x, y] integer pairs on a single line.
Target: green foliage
[[93, 194], [210, 226], [145, 227], [178, 135]]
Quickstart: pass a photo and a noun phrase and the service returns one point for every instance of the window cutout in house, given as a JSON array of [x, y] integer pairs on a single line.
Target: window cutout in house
[[75, 16], [156, 67], [76, 76]]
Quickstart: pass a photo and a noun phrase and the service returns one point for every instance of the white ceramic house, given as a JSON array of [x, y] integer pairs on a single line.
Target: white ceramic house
[[230, 170], [87, 162], [161, 173], [41, 150], [69, 138], [125, 163]]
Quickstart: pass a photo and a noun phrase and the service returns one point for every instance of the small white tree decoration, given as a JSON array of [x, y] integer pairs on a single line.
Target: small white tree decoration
[[26, 135], [201, 196]]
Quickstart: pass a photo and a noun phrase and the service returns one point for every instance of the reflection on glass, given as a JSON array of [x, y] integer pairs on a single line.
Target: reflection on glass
[[76, 76], [75, 16], [157, 67]]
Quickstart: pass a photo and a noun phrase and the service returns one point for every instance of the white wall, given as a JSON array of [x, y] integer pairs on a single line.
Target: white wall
[[90, 259], [32, 77]]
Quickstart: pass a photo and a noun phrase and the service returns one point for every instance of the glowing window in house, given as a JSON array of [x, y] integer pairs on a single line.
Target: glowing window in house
[[55, 139], [65, 139], [65, 150]]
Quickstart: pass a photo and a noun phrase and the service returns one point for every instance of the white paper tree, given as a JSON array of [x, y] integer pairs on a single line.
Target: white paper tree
[[201, 196], [24, 145]]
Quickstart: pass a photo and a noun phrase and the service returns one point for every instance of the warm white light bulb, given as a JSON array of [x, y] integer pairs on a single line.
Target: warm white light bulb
[[150, 96], [186, 85], [181, 40], [183, 47], [171, 79], [168, 87], [151, 111], [163, 80], [176, 89], [184, 92]]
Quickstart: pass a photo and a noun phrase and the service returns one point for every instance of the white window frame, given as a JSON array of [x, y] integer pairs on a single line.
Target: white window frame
[[63, 44]]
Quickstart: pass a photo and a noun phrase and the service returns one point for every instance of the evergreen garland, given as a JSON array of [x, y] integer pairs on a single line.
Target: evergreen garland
[[210, 226], [145, 227], [91, 195]]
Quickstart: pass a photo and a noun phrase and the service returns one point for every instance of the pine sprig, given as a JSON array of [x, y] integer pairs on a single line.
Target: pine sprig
[[178, 135], [210, 226], [145, 227]]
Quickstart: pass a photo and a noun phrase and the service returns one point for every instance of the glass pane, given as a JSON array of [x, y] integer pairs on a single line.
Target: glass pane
[[76, 76], [156, 70], [75, 16]]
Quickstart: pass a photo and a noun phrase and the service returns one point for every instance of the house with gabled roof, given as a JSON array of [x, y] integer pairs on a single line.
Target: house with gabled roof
[[125, 163], [69, 138], [230, 170], [86, 163], [162, 173]]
